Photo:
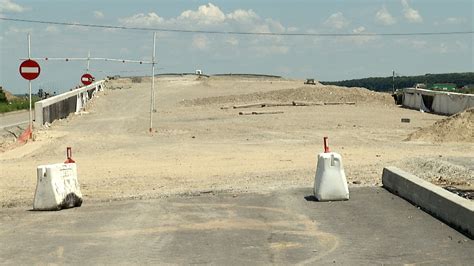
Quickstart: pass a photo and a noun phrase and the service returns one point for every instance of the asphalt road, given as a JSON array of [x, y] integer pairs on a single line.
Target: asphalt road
[[13, 119], [283, 227]]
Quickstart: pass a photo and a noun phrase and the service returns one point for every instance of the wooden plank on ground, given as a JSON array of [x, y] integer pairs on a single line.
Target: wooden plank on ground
[[300, 103], [339, 103], [261, 113], [293, 103]]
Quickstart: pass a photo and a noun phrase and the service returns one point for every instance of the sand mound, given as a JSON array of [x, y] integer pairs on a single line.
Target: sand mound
[[456, 128], [309, 93]]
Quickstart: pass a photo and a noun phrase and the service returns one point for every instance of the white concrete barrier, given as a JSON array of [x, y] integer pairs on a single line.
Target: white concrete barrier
[[330, 183], [57, 187], [60, 106], [440, 102]]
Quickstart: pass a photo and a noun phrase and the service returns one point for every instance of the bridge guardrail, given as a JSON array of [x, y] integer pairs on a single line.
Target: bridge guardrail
[[60, 106]]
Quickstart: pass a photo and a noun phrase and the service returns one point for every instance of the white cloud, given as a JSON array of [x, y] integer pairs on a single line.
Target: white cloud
[[200, 42], [211, 17], [52, 29], [124, 50], [384, 17], [232, 41], [98, 14], [450, 47], [274, 25], [434, 47], [206, 15], [461, 45], [9, 6], [110, 30], [419, 44], [337, 21], [284, 69], [452, 21], [143, 20], [442, 48], [270, 50], [412, 15], [243, 16], [358, 30], [292, 29], [16, 30], [78, 28], [455, 20], [359, 40]]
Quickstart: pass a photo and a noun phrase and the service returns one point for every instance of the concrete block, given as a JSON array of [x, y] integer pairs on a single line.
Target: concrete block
[[446, 206], [57, 187]]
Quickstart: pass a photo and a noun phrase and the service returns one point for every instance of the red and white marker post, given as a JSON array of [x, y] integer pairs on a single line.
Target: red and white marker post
[[30, 70]]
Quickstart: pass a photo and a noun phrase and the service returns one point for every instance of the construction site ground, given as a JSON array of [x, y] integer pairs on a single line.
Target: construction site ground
[[197, 146]]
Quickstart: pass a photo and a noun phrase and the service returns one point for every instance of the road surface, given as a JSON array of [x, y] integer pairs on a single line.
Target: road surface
[[282, 227], [13, 119]]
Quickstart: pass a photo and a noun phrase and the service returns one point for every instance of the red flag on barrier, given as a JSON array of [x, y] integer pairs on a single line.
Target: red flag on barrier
[[69, 155]]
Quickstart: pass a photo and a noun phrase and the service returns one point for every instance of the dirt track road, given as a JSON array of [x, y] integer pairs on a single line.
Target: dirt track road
[[199, 147]]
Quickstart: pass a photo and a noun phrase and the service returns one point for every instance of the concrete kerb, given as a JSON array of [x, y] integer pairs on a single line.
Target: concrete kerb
[[444, 205]]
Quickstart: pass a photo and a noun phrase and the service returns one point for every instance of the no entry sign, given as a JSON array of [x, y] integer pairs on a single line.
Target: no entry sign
[[29, 69], [87, 79]]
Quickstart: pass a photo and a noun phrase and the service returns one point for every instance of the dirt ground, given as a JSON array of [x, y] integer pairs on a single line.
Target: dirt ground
[[197, 147]]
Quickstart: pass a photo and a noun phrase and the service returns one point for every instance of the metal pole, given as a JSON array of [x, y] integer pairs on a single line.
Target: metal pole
[[153, 72], [29, 86], [152, 101], [88, 61], [393, 81]]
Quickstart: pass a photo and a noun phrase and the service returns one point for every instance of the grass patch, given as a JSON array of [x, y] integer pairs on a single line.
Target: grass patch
[[15, 105]]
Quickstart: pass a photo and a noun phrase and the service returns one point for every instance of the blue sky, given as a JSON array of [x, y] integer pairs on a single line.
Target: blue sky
[[323, 58]]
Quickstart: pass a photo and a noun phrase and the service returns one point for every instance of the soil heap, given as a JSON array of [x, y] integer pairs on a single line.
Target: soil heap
[[456, 128], [310, 93]]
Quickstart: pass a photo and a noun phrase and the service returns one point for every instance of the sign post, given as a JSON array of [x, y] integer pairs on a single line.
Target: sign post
[[30, 114], [29, 70]]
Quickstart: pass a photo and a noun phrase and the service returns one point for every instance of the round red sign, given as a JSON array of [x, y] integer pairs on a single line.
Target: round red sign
[[87, 79], [29, 69]]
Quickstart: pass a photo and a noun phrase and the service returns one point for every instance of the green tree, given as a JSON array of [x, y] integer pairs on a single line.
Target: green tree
[[385, 83], [3, 97]]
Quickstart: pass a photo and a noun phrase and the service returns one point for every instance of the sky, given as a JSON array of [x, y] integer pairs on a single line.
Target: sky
[[322, 58]]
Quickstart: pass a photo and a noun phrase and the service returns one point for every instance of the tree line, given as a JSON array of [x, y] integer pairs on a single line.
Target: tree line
[[400, 82]]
